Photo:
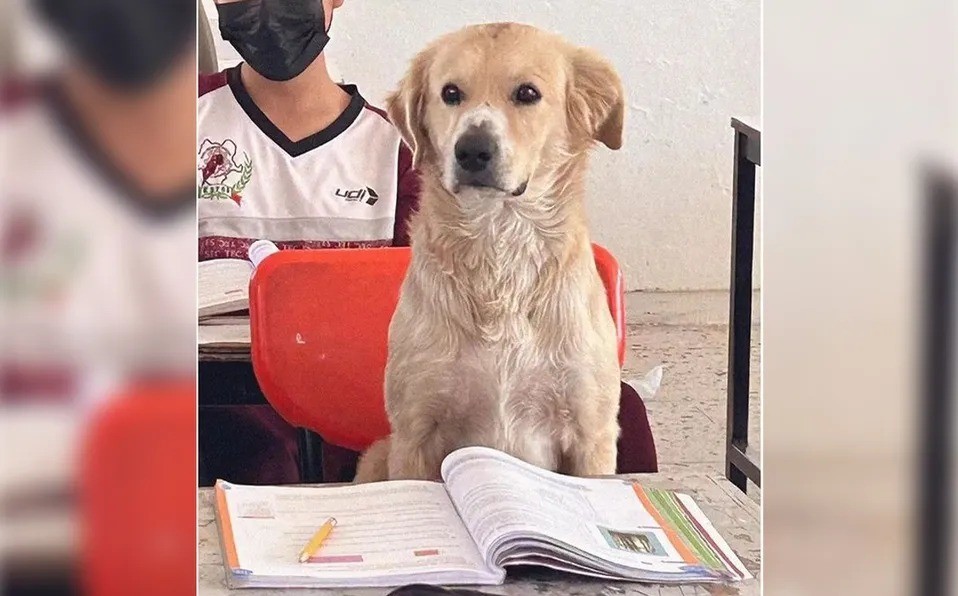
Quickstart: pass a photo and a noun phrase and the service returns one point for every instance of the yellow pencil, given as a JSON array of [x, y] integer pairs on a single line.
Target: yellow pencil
[[317, 540]]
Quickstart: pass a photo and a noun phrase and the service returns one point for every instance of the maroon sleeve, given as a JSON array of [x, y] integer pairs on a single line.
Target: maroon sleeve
[[15, 93], [211, 82], [407, 196]]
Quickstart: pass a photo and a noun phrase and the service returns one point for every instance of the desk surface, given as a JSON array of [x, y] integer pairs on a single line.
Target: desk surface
[[733, 514]]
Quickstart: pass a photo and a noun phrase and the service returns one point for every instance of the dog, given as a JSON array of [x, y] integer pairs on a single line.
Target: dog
[[502, 336]]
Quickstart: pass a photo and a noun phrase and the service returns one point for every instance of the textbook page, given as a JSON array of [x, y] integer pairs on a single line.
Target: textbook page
[[223, 286], [384, 530], [515, 512]]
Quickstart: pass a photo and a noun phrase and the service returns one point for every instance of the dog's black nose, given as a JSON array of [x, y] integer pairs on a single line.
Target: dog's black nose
[[475, 150]]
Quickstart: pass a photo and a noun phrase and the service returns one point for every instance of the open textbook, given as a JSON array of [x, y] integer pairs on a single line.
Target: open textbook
[[491, 512]]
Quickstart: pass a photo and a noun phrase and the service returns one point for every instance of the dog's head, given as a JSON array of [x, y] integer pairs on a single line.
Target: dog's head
[[495, 110]]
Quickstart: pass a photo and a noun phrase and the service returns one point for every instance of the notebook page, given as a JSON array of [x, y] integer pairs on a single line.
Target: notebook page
[[223, 286], [227, 336], [500, 497], [383, 529], [226, 320]]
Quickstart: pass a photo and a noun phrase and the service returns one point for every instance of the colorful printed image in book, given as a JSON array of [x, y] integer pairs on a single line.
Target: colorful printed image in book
[[644, 543]]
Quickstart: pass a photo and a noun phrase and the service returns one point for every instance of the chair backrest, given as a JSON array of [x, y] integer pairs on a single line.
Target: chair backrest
[[319, 321], [137, 493]]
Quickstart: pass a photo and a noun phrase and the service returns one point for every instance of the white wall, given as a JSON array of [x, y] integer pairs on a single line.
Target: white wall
[[662, 203]]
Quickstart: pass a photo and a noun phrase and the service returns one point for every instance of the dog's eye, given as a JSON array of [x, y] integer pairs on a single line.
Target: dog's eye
[[451, 95], [526, 94]]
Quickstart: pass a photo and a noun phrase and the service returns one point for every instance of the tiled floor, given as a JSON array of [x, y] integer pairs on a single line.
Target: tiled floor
[[688, 334]]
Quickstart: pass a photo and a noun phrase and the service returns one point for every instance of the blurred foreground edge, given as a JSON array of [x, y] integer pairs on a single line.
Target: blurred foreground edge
[[937, 438], [137, 494]]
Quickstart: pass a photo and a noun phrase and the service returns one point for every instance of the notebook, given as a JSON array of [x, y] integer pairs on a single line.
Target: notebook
[[223, 337], [223, 286], [231, 319], [491, 512]]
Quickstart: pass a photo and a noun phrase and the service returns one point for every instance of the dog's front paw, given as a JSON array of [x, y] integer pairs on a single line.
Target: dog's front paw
[[373, 465], [407, 462], [597, 459]]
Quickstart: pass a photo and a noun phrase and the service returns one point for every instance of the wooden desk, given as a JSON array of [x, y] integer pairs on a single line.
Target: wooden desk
[[735, 516]]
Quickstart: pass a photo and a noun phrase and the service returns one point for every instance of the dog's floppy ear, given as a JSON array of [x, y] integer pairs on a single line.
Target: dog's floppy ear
[[405, 106], [596, 103]]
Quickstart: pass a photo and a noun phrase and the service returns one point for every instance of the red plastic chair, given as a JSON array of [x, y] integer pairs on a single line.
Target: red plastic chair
[[137, 493], [319, 321]]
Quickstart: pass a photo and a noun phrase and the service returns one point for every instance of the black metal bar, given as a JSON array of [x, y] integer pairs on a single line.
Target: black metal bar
[[745, 466], [310, 456], [753, 151], [735, 475], [936, 437], [740, 305]]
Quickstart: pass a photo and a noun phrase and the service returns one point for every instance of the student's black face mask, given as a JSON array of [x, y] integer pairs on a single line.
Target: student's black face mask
[[277, 38], [128, 44]]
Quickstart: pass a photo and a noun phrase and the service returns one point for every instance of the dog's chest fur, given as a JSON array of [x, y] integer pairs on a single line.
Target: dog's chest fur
[[500, 305], [509, 270]]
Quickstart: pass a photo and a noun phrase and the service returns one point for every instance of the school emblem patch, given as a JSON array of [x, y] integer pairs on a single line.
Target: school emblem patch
[[221, 175]]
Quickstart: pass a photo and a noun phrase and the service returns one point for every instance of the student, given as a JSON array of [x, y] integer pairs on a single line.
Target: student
[[285, 154]]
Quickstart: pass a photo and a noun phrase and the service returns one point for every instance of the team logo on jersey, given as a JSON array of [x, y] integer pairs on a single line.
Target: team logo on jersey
[[221, 175], [359, 195]]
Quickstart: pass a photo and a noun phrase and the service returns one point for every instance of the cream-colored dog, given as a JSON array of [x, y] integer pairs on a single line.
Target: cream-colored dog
[[502, 336]]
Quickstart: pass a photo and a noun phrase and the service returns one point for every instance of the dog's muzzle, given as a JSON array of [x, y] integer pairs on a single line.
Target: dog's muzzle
[[477, 158]]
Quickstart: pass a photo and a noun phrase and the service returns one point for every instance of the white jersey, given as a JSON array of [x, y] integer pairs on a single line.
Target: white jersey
[[349, 185]]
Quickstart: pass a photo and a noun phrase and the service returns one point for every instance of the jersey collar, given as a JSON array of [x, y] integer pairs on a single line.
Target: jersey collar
[[294, 148]]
